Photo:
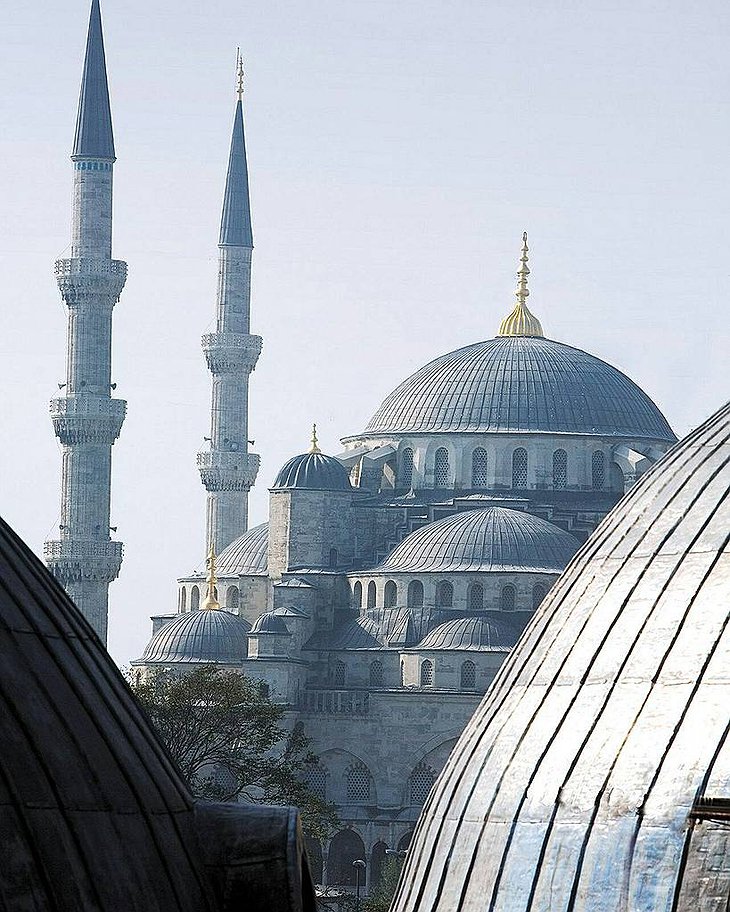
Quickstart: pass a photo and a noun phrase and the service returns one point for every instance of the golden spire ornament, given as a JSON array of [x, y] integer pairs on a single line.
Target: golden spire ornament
[[314, 448], [521, 322], [211, 602]]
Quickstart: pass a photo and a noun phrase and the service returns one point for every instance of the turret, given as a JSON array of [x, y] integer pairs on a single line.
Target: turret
[[227, 469], [86, 419]]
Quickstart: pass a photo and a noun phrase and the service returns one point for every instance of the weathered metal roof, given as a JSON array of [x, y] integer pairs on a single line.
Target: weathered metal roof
[[313, 470], [94, 137], [247, 555], [487, 632], [517, 383], [236, 218], [216, 636], [572, 787], [270, 623], [491, 540]]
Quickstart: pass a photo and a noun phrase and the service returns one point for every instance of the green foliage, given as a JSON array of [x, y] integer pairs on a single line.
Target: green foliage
[[382, 895], [230, 742]]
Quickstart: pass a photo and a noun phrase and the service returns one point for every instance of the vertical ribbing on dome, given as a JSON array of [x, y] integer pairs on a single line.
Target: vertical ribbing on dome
[[521, 322]]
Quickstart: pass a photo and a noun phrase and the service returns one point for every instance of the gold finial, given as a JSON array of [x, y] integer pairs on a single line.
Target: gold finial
[[315, 443], [239, 74], [521, 322], [211, 602]]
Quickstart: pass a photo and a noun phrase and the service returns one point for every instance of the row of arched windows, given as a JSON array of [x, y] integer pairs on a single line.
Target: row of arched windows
[[345, 848], [467, 677], [376, 674], [444, 595], [358, 781], [232, 598], [480, 465]]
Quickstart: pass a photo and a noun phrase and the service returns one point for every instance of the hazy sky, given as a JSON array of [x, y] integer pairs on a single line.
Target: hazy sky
[[397, 150]]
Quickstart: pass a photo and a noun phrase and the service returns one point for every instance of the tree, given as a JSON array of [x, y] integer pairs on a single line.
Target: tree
[[228, 739], [382, 895]]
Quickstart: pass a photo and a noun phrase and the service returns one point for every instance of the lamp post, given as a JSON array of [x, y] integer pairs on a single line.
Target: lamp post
[[359, 866]]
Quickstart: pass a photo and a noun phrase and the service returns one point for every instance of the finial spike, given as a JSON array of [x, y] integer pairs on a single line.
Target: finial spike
[[521, 322], [523, 292], [211, 602], [315, 443], [239, 74]]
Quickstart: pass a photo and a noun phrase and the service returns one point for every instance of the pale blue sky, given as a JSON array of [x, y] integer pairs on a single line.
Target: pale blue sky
[[397, 150]]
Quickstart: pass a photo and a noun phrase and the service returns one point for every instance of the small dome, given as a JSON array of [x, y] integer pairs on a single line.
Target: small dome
[[270, 623], [247, 555], [314, 470], [494, 539], [217, 637], [488, 632]]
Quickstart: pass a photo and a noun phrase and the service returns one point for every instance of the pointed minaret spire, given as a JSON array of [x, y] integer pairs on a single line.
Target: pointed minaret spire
[[94, 137], [227, 469], [521, 322]]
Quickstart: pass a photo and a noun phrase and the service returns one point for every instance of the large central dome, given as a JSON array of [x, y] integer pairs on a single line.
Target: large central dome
[[520, 383]]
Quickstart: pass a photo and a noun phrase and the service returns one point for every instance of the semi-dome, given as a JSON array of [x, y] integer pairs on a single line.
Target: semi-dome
[[488, 632], [270, 623], [494, 539], [514, 384], [203, 637], [247, 555], [577, 783]]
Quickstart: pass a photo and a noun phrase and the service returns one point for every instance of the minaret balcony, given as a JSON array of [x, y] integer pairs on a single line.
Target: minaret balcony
[[231, 353], [80, 278], [78, 559], [228, 471], [87, 419]]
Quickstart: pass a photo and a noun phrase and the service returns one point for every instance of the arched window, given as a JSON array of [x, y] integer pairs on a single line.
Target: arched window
[[444, 595], [468, 675], [508, 598], [426, 673], [194, 598], [404, 843], [476, 597], [377, 858], [345, 848], [340, 673], [421, 782], [314, 855], [317, 781], [390, 596], [232, 598], [371, 594], [357, 595], [598, 469], [519, 468], [402, 673], [405, 476], [538, 594], [441, 468], [183, 595], [560, 469], [334, 557], [376, 674], [358, 782], [479, 468], [415, 594]]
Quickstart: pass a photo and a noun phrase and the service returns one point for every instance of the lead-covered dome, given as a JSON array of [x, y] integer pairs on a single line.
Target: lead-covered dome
[[247, 555], [487, 632], [516, 384], [313, 470], [604, 737], [204, 637], [491, 540]]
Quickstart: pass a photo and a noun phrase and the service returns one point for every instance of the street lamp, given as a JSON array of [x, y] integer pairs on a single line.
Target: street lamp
[[359, 866]]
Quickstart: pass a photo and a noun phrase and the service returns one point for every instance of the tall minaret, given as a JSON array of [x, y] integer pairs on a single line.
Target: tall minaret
[[86, 419], [227, 469]]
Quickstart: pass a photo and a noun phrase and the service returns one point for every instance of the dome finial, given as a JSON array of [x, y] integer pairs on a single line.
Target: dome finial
[[521, 322], [239, 74], [315, 443], [211, 602]]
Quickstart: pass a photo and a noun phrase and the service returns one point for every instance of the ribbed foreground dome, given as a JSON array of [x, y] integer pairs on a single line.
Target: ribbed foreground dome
[[520, 383], [488, 632], [493, 539], [247, 555], [315, 471], [572, 786], [199, 636]]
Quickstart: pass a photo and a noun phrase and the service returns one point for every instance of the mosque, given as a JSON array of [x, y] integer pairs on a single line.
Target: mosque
[[391, 580]]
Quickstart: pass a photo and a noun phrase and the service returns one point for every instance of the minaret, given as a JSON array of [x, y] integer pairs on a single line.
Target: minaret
[[227, 469], [86, 419]]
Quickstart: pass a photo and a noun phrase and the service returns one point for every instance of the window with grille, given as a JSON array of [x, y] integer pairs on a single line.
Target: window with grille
[[232, 598], [441, 468], [476, 597], [598, 469], [479, 468], [334, 557], [508, 598], [444, 595], [402, 673], [560, 469], [317, 781], [538, 594], [376, 674], [340, 673], [468, 675], [422, 780], [426, 673], [405, 476], [358, 783], [415, 594], [357, 595], [183, 594], [371, 594], [194, 598], [519, 468], [390, 596]]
